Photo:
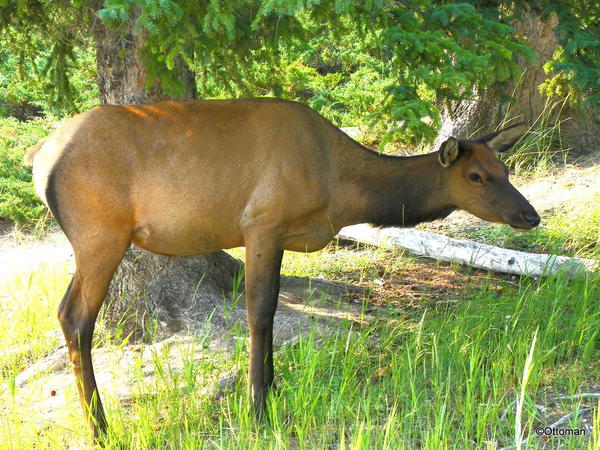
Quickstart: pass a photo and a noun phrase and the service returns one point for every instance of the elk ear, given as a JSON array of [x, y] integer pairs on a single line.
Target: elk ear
[[503, 140], [448, 152]]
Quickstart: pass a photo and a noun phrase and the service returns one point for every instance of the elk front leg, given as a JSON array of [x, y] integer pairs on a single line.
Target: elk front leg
[[269, 370], [263, 262]]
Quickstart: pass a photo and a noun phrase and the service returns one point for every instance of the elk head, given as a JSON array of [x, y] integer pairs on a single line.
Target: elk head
[[478, 181]]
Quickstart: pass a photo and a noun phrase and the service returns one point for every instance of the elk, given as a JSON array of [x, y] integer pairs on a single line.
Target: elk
[[193, 177]]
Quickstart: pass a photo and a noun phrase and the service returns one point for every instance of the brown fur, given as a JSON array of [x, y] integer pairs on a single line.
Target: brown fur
[[194, 177]]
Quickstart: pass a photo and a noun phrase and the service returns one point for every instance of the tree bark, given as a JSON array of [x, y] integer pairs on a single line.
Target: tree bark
[[172, 294], [152, 296], [522, 101], [122, 71]]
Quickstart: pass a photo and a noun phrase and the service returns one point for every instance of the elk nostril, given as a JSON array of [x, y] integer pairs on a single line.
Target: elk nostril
[[531, 218]]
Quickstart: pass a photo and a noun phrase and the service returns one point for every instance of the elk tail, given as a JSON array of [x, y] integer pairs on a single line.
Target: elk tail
[[31, 152]]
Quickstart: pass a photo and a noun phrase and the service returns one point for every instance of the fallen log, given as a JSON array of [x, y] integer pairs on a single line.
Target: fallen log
[[474, 254]]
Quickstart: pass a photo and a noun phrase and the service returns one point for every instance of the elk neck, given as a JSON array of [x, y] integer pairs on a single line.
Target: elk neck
[[397, 191]]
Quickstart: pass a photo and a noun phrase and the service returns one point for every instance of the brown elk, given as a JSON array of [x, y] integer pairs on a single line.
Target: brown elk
[[194, 177]]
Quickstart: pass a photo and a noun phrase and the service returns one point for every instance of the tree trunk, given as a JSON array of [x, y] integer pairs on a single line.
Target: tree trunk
[[122, 72], [522, 101], [153, 294]]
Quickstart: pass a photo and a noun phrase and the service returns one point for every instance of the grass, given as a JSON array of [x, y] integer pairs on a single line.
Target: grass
[[541, 149], [449, 376], [573, 231], [539, 152], [361, 262], [27, 306]]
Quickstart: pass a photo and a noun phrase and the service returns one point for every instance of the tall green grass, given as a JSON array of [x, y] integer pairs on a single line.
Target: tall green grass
[[574, 231], [28, 305], [541, 149], [451, 377]]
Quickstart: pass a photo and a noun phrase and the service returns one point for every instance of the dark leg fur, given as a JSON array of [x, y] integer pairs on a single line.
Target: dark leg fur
[[263, 261], [269, 370]]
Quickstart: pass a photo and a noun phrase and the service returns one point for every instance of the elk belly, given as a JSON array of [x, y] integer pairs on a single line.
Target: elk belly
[[183, 241]]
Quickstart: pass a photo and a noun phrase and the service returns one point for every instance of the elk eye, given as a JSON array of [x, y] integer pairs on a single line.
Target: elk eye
[[475, 177]]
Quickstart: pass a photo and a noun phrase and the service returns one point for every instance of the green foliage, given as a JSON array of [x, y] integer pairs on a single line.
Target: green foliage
[[60, 79], [450, 49], [394, 65], [46, 56], [18, 200], [337, 79], [427, 50], [577, 63]]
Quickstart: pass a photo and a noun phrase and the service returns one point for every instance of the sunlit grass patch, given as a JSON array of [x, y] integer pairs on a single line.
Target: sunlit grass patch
[[574, 230], [446, 375], [28, 303], [448, 378], [28, 332]]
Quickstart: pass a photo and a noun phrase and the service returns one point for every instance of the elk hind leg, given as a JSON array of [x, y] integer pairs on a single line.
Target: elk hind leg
[[96, 262]]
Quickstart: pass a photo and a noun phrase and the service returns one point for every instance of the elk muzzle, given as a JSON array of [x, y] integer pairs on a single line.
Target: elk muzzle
[[522, 216]]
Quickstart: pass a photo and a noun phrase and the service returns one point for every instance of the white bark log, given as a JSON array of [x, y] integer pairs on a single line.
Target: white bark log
[[481, 256]]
